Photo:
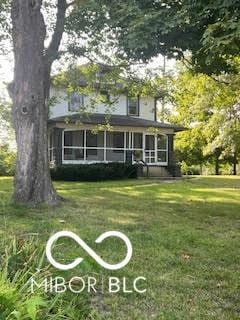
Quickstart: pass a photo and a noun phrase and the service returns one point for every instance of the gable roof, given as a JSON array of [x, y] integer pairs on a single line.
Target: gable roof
[[114, 120]]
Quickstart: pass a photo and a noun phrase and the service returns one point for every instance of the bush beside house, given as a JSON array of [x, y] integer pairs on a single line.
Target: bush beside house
[[94, 172]]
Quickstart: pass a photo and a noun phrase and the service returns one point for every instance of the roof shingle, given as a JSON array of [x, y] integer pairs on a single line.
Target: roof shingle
[[114, 120]]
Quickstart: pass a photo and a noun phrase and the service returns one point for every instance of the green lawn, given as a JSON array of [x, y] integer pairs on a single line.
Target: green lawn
[[185, 237]]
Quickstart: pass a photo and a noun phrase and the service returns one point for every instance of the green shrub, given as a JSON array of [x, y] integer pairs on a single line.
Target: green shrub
[[189, 169], [94, 172], [7, 161]]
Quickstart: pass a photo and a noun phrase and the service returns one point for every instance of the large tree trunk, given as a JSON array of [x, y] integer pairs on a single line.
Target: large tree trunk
[[32, 180]]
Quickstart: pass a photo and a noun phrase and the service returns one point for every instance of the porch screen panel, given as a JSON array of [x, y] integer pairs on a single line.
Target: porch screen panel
[[115, 140], [94, 146], [127, 140], [162, 142], [115, 147], [73, 145], [74, 138], [150, 150], [150, 145], [95, 139], [138, 141], [73, 154], [115, 155], [68, 139], [95, 154], [162, 156], [137, 146]]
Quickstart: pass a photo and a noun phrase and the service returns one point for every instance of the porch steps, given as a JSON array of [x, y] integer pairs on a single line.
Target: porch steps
[[156, 172]]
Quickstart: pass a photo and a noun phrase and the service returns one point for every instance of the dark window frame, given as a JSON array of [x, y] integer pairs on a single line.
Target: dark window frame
[[81, 104], [138, 106]]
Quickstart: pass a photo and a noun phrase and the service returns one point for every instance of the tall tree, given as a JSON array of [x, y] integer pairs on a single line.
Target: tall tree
[[211, 110], [29, 92]]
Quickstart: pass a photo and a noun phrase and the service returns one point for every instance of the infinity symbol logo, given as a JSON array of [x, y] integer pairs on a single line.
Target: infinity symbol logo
[[91, 252]]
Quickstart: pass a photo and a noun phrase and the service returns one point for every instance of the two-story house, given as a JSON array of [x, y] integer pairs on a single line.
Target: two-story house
[[135, 132]]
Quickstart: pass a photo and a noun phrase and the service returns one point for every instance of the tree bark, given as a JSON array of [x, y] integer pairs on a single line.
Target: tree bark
[[235, 162], [217, 166], [30, 112]]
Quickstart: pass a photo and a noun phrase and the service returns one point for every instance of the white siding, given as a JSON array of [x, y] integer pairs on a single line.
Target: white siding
[[146, 110], [60, 108]]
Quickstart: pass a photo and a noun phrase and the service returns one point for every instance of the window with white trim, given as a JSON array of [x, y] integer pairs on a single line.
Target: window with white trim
[[133, 106]]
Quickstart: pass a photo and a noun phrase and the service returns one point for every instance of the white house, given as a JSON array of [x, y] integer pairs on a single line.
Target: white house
[[129, 134]]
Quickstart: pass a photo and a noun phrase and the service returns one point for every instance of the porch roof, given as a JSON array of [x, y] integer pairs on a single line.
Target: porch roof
[[114, 120]]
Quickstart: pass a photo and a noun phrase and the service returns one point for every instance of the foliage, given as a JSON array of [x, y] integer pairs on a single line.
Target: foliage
[[6, 130], [105, 85], [98, 79], [4, 23], [22, 260], [189, 146], [5, 110], [211, 109], [141, 29], [7, 161], [94, 172]]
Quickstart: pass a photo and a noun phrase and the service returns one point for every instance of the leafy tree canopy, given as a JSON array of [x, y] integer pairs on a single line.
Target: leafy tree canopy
[[142, 29], [211, 110]]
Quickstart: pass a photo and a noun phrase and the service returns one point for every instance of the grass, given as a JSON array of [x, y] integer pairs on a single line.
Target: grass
[[185, 237]]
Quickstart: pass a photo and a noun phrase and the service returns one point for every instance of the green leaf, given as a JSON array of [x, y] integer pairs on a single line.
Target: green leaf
[[33, 305]]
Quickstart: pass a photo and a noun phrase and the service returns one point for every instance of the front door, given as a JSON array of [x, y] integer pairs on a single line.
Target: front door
[[150, 148]]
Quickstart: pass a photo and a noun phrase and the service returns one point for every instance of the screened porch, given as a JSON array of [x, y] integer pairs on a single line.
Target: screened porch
[[86, 146]]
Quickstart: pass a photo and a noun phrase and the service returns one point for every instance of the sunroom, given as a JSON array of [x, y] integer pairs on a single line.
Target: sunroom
[[88, 146], [127, 140]]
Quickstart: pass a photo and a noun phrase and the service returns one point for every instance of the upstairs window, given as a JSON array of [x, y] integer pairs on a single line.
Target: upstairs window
[[133, 106], [76, 101]]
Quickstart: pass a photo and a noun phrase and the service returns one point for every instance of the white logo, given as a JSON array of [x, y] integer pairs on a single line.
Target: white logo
[[91, 252]]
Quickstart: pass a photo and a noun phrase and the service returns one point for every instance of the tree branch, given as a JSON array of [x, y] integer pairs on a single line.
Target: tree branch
[[71, 3], [52, 50]]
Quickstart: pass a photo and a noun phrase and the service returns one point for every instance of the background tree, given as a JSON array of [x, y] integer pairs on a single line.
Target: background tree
[[211, 111]]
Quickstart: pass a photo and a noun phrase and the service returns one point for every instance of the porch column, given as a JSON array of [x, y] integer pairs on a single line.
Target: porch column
[[173, 167], [57, 145]]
